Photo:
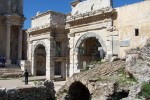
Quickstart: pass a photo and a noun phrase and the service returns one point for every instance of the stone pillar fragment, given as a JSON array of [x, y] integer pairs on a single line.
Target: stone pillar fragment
[[8, 61], [48, 76], [63, 70], [50, 60], [33, 69], [20, 45]]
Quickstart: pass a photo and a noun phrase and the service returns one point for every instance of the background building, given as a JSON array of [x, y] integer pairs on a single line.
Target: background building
[[47, 46], [11, 36]]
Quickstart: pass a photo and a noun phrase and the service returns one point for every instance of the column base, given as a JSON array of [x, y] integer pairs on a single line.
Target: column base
[[8, 62], [19, 62], [33, 71], [108, 57]]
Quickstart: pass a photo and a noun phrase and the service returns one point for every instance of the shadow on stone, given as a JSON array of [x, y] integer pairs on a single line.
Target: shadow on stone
[[118, 95], [78, 91]]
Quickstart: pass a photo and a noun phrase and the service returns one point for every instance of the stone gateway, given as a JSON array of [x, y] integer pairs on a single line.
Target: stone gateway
[[60, 45]]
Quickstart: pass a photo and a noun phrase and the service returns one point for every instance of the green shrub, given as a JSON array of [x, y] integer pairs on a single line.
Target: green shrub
[[145, 92], [124, 79]]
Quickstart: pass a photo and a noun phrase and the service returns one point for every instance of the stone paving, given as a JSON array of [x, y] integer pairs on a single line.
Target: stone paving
[[11, 83]]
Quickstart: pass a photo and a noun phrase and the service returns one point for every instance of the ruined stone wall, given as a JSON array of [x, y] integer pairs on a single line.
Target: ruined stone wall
[[43, 92], [129, 18]]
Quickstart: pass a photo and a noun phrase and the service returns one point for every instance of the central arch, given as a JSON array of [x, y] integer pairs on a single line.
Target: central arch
[[90, 48], [90, 35]]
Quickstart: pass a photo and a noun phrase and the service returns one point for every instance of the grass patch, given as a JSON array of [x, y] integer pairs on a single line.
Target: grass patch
[[105, 79], [145, 92], [124, 79], [37, 82], [95, 62], [92, 65]]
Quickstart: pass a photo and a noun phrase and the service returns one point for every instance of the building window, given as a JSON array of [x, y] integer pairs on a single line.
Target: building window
[[136, 32]]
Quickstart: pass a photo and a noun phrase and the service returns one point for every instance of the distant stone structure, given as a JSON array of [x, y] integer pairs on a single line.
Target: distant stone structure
[[64, 44], [11, 35], [47, 45]]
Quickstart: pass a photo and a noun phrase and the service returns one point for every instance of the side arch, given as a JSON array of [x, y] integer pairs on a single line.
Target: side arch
[[90, 35], [38, 43]]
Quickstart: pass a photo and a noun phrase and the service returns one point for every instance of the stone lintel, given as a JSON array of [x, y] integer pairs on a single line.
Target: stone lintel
[[45, 27], [100, 12], [90, 20]]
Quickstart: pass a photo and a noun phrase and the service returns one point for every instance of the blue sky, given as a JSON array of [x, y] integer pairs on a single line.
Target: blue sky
[[31, 7]]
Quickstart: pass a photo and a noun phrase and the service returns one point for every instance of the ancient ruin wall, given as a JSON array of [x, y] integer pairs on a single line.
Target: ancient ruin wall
[[43, 92], [127, 19]]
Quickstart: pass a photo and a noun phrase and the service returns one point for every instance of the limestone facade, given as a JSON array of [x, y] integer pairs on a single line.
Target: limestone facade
[[11, 35], [94, 22], [129, 19], [64, 44], [47, 47], [97, 32], [116, 29]]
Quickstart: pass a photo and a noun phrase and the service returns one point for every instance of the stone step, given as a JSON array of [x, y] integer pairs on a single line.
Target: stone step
[[12, 71]]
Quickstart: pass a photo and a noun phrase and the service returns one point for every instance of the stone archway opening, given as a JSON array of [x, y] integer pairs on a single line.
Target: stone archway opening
[[89, 50], [40, 60], [78, 91], [119, 95]]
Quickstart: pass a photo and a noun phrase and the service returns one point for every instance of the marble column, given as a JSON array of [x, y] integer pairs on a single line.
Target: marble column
[[33, 68], [52, 54], [20, 45], [8, 32], [48, 74]]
